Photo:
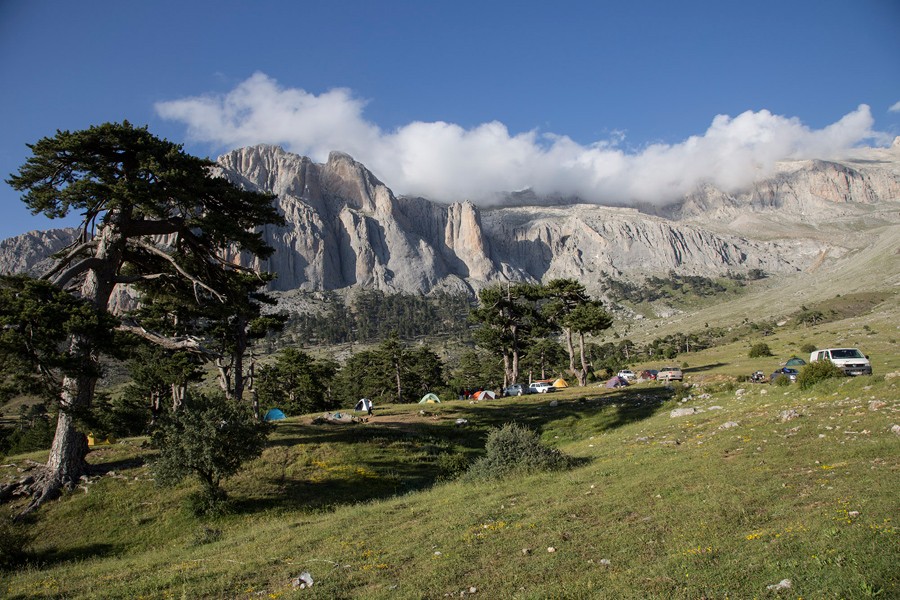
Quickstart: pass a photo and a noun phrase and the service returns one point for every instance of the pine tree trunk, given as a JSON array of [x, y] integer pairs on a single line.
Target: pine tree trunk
[[582, 375], [66, 463], [571, 350]]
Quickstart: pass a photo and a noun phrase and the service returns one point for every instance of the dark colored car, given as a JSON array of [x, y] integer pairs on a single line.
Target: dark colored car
[[784, 372]]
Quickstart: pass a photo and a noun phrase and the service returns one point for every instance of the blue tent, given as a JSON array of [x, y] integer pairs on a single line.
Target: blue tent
[[274, 414]]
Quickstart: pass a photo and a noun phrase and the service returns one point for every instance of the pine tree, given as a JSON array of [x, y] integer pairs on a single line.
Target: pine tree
[[152, 215]]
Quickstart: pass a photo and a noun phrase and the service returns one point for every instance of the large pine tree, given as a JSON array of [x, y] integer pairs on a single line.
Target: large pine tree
[[152, 215]]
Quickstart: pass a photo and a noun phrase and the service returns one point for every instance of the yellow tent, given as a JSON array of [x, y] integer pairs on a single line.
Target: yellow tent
[[92, 441], [560, 383]]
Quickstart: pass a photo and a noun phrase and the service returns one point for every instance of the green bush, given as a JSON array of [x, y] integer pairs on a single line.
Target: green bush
[[817, 371], [782, 380], [14, 542], [808, 348], [760, 350], [512, 449], [210, 438], [451, 465]]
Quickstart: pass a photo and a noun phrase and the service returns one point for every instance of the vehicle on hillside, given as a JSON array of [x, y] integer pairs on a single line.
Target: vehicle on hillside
[[670, 374], [849, 360], [517, 389], [788, 372], [758, 377], [627, 375], [541, 387]]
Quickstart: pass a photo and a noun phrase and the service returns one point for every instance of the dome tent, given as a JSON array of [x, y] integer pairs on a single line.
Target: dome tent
[[430, 398], [274, 414]]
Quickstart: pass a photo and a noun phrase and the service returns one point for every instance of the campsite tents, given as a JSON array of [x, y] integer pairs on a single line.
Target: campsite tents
[[274, 414], [364, 405], [616, 381], [430, 398], [560, 383], [485, 395]]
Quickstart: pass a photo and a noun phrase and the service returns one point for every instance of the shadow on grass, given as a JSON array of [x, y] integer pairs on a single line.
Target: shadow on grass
[[115, 465], [52, 557], [401, 452], [701, 368]]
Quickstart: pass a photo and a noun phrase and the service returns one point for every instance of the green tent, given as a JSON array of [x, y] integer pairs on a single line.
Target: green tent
[[429, 398]]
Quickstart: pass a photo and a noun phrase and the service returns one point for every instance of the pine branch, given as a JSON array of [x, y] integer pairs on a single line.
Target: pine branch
[[197, 283]]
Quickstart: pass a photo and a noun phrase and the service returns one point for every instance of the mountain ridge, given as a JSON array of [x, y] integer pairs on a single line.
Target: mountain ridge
[[345, 228]]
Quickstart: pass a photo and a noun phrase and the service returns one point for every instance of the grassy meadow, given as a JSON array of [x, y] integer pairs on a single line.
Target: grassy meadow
[[760, 484]]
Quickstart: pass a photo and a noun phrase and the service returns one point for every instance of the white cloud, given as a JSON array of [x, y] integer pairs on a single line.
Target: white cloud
[[894, 107], [446, 162]]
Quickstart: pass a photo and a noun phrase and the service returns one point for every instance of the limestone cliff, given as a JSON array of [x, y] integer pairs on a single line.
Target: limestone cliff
[[345, 228]]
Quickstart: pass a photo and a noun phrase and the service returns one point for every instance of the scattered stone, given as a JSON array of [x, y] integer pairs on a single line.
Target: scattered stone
[[714, 408], [787, 415], [683, 412], [728, 425], [784, 584], [740, 392], [526, 551], [876, 405], [554, 403], [853, 514], [437, 553], [892, 375], [896, 429], [551, 549], [605, 562], [462, 422], [302, 581]]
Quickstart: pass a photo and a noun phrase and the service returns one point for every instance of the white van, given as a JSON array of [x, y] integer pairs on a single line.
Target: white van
[[850, 360]]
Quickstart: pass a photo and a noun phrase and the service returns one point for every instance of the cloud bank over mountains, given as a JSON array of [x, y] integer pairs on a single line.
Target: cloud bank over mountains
[[446, 162]]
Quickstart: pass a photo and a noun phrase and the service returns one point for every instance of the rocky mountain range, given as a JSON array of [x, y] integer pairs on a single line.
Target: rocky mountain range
[[345, 228]]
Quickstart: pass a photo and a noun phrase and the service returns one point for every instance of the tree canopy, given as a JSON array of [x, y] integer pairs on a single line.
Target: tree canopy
[[154, 217]]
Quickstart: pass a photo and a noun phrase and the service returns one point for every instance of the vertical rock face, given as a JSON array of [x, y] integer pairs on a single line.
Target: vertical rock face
[[346, 228], [30, 252]]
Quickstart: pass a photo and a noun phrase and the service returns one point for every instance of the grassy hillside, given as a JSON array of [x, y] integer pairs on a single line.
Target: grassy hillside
[[761, 484]]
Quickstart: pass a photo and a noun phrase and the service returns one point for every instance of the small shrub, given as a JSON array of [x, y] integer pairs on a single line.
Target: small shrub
[[512, 449], [808, 348], [817, 371], [14, 542], [760, 350], [210, 438], [782, 381], [451, 465]]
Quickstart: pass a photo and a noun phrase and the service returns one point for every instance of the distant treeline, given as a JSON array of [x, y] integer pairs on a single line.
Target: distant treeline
[[373, 315], [675, 286]]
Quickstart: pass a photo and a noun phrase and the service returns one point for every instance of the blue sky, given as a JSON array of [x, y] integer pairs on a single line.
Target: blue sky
[[612, 101]]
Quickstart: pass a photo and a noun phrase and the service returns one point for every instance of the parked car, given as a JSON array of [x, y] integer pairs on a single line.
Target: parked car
[[850, 360], [517, 389], [670, 374], [648, 375], [541, 387], [627, 375], [784, 372]]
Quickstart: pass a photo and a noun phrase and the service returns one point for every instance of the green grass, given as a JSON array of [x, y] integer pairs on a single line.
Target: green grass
[[655, 506]]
